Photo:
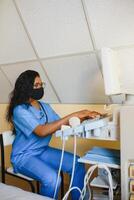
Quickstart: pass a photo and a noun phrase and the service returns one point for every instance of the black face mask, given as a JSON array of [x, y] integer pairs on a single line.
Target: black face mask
[[37, 93]]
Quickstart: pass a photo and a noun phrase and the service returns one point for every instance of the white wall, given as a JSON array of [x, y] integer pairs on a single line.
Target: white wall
[[62, 39]]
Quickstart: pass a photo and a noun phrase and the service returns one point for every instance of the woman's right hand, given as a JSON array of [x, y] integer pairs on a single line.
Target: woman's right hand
[[86, 114]]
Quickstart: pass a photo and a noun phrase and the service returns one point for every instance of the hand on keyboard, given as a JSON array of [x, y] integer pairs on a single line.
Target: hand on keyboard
[[86, 114], [97, 117], [90, 120]]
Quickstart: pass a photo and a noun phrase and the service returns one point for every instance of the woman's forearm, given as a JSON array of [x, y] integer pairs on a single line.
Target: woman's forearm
[[50, 128]]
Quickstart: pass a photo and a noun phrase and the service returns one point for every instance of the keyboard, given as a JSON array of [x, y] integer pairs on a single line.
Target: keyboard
[[97, 128]]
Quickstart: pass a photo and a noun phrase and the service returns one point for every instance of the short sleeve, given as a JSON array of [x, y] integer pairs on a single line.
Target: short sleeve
[[24, 120], [55, 115], [52, 115]]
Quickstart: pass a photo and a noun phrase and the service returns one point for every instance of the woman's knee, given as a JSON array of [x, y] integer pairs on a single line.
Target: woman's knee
[[51, 179]]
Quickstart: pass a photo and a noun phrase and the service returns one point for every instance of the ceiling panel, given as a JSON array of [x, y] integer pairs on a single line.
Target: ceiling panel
[[56, 27], [14, 44], [77, 79], [111, 22], [13, 71], [5, 88]]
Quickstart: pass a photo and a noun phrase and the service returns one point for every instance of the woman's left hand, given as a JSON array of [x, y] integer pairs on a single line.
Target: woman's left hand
[[94, 114]]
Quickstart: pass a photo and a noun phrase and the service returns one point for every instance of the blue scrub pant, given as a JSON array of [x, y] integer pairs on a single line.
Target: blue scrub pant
[[44, 168]]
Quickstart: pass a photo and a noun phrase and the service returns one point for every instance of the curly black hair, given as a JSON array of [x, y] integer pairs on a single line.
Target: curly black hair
[[21, 92]]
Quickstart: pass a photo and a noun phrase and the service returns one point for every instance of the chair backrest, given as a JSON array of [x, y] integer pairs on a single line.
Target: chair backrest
[[8, 138]]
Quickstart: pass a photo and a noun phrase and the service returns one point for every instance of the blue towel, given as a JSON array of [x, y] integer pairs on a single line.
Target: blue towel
[[102, 159], [105, 152], [103, 155]]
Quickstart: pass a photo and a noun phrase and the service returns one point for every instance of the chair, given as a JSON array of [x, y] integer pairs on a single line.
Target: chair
[[7, 138]]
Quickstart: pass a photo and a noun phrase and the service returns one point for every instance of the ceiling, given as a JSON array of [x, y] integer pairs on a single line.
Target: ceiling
[[62, 41]]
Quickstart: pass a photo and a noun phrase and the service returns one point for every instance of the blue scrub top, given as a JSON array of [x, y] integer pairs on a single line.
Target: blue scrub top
[[26, 118]]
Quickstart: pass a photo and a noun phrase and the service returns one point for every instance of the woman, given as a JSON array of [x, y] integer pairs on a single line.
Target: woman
[[34, 122]]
